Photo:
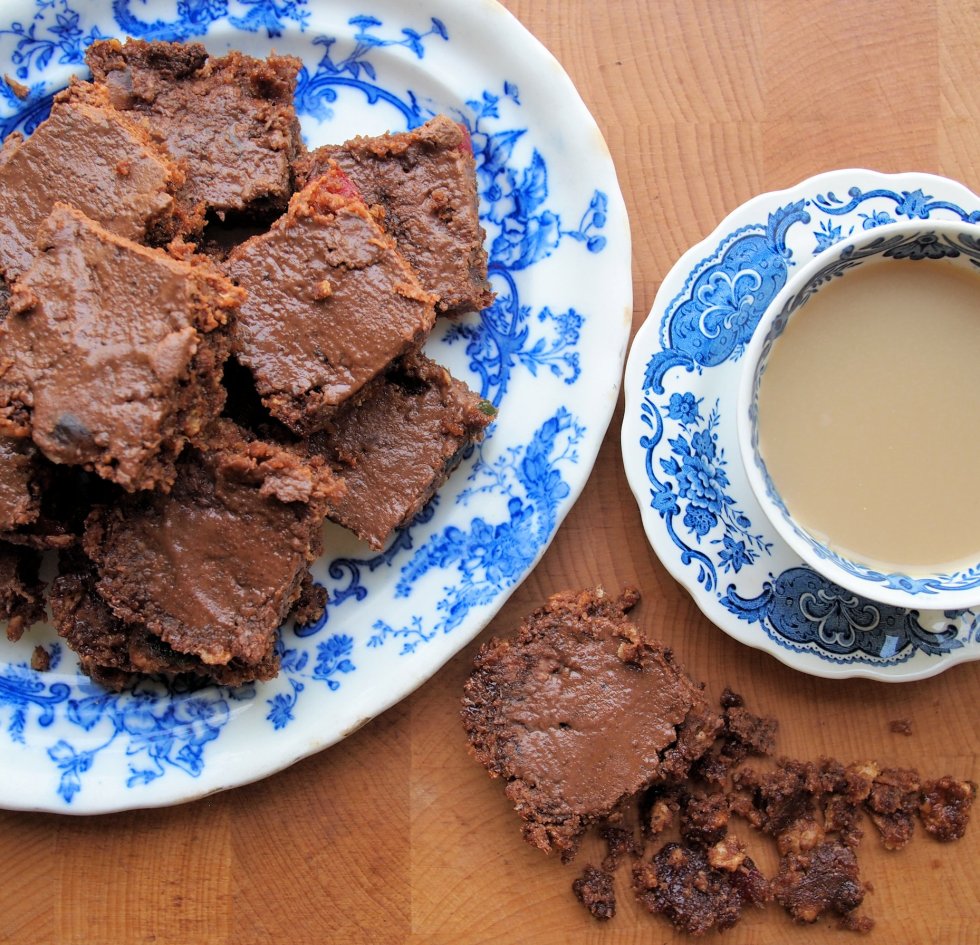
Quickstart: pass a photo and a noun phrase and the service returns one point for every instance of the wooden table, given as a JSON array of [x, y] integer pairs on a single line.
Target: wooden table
[[396, 835]]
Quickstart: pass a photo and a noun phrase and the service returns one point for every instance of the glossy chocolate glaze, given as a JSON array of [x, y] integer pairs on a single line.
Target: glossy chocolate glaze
[[107, 357], [330, 304], [92, 157]]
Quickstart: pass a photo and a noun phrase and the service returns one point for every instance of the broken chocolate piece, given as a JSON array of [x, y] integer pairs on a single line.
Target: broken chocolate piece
[[680, 884], [112, 352], [594, 889], [579, 712], [424, 182]]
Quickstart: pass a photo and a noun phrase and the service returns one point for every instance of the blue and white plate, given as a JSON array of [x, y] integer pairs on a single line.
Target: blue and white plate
[[680, 444], [549, 353]]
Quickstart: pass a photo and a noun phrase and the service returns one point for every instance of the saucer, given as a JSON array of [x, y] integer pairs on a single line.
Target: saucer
[[680, 445]]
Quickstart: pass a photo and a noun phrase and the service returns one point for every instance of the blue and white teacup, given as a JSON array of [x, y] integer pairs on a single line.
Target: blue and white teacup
[[928, 243]]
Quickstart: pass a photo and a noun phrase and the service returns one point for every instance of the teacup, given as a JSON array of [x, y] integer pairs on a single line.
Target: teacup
[[854, 370]]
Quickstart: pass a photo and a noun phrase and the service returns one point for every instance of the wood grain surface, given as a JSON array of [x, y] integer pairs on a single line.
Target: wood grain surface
[[397, 835]]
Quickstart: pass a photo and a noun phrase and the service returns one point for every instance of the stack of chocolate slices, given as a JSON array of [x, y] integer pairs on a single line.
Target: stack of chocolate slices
[[210, 341]]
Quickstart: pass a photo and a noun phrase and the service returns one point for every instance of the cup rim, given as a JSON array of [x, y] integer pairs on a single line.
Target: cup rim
[[913, 592]]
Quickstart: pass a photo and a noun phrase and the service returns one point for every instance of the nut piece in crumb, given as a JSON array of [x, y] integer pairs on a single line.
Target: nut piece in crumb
[[727, 854], [680, 884], [658, 807], [892, 803], [801, 836], [823, 880], [594, 889], [945, 807]]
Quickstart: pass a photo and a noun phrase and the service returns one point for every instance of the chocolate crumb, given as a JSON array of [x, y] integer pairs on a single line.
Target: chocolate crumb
[[893, 800], [594, 889], [18, 88], [823, 880], [40, 660], [945, 807], [704, 819], [680, 884], [620, 842]]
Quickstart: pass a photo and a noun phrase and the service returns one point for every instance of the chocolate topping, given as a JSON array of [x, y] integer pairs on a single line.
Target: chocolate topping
[[110, 358], [577, 713], [423, 181], [214, 568], [90, 156], [398, 445], [330, 304], [230, 120]]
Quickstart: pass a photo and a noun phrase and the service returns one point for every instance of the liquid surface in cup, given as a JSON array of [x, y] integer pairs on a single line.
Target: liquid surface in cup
[[869, 415]]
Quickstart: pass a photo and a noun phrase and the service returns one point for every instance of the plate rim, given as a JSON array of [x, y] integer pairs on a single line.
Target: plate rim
[[296, 742]]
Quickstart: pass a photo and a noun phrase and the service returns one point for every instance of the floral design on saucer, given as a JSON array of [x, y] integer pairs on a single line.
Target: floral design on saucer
[[682, 463]]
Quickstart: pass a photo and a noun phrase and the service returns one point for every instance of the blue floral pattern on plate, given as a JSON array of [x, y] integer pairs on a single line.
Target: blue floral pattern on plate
[[679, 441], [548, 352]]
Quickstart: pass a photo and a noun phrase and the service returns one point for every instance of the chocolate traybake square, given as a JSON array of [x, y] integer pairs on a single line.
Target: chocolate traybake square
[[94, 158], [111, 355], [214, 568], [113, 651], [399, 444], [330, 304], [229, 120], [579, 713], [424, 183]]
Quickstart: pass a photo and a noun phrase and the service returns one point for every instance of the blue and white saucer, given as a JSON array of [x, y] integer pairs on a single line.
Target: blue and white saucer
[[680, 446]]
